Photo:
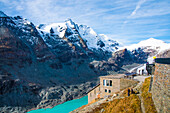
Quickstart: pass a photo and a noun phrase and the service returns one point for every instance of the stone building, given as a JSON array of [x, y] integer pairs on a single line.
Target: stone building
[[109, 85], [94, 93], [161, 85], [142, 70]]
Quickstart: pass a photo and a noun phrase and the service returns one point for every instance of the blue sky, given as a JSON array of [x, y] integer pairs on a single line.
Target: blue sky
[[128, 21]]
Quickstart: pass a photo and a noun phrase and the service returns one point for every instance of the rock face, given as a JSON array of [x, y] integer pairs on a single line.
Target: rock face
[[164, 54], [151, 46], [125, 57], [160, 87], [43, 66]]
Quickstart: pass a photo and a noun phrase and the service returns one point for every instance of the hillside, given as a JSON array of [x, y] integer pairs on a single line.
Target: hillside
[[139, 101], [45, 65], [41, 68]]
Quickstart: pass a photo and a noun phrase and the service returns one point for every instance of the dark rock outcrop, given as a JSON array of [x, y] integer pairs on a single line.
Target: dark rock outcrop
[[40, 70], [126, 57], [164, 54]]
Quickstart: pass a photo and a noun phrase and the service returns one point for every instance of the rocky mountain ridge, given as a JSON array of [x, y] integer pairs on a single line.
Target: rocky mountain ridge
[[80, 35], [42, 66], [30, 68], [150, 45]]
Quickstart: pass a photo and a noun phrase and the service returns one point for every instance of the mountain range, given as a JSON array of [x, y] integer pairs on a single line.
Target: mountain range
[[42, 66]]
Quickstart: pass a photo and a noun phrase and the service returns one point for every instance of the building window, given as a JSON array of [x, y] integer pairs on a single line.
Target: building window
[[107, 82], [94, 91], [105, 90], [104, 82], [99, 88], [110, 82], [90, 94], [109, 91]]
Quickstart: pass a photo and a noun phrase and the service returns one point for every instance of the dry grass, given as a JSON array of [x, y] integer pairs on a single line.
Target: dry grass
[[129, 104], [125, 93], [125, 104], [147, 97]]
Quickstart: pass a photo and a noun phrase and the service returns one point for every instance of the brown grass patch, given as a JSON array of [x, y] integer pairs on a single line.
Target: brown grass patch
[[147, 97], [129, 104]]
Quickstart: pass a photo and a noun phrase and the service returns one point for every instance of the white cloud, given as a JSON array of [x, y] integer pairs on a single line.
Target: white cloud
[[151, 9], [4, 1], [137, 7], [124, 20], [19, 8]]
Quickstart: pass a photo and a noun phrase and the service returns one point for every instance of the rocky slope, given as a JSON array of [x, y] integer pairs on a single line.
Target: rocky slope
[[41, 66], [151, 46]]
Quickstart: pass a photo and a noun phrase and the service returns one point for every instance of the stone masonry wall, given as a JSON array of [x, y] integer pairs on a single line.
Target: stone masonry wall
[[125, 83], [161, 88], [114, 88], [93, 94]]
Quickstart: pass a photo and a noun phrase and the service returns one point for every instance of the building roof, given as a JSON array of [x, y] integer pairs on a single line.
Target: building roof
[[130, 74], [118, 76], [162, 60], [93, 88]]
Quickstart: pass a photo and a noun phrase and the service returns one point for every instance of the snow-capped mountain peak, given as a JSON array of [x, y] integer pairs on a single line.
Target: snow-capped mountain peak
[[58, 28], [150, 43], [70, 23], [74, 33], [151, 46]]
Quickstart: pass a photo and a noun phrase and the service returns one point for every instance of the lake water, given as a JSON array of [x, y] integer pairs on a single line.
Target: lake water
[[66, 107]]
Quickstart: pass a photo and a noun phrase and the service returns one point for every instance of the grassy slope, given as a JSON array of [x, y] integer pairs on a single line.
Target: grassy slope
[[147, 97], [129, 104]]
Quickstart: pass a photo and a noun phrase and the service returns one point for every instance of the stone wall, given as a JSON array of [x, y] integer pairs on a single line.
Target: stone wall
[[94, 93], [102, 91], [160, 88], [109, 90], [125, 83], [117, 85]]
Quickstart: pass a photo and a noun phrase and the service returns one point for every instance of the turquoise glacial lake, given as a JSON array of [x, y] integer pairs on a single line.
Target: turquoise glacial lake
[[66, 107]]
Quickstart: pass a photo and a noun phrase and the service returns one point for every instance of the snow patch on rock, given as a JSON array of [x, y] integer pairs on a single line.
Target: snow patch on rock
[[150, 43], [73, 32]]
